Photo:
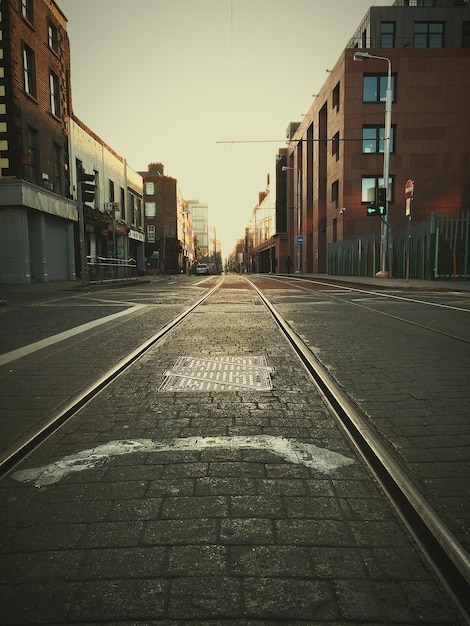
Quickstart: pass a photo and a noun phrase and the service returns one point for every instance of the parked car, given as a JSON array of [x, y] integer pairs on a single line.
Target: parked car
[[202, 268]]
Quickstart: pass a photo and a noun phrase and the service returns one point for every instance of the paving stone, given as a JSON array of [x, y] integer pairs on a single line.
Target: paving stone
[[224, 536]]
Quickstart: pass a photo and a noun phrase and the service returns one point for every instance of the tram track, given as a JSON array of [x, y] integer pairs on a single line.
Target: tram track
[[443, 551], [300, 284], [449, 559], [16, 453]]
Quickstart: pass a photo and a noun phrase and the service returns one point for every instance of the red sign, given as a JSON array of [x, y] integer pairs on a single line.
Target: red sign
[[409, 189]]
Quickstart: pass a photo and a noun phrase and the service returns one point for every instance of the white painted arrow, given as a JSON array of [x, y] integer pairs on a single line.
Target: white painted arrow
[[290, 450]]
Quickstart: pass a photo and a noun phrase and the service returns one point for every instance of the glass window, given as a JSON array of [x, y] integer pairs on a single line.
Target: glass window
[[336, 97], [387, 35], [465, 34], [150, 209], [149, 189], [33, 153], [373, 139], [151, 233], [55, 99], [429, 34], [27, 10], [58, 168], [335, 191], [29, 71], [335, 146], [53, 37], [370, 184], [375, 88], [123, 204]]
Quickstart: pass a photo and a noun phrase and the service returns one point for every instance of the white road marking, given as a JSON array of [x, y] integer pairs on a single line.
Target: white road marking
[[49, 341], [290, 450]]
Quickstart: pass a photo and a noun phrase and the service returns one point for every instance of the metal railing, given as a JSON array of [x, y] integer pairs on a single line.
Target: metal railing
[[106, 269], [436, 248]]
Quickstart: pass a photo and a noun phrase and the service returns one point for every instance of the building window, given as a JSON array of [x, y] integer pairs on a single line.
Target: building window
[[138, 212], [57, 168], [97, 190], [370, 184], [150, 209], [27, 10], [465, 34], [336, 97], [53, 37], [123, 205], [111, 190], [29, 71], [335, 192], [429, 35], [335, 146], [387, 35], [374, 88], [151, 233], [55, 99], [149, 189], [33, 154], [135, 209], [373, 139]]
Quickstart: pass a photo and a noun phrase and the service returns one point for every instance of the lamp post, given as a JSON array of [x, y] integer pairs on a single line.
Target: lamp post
[[384, 225], [299, 212]]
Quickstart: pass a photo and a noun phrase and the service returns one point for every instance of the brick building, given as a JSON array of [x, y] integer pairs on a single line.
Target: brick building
[[36, 213], [168, 226], [43, 145], [336, 153]]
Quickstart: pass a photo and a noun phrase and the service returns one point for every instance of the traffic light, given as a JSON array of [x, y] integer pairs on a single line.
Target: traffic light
[[87, 182], [372, 209], [382, 200]]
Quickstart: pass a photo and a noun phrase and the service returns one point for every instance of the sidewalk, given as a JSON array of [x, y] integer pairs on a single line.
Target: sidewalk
[[397, 283], [36, 291]]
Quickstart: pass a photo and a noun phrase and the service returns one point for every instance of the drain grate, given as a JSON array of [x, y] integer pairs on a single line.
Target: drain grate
[[227, 373]]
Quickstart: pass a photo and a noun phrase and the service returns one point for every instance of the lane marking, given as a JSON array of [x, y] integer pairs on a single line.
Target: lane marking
[[49, 341], [292, 451], [388, 294]]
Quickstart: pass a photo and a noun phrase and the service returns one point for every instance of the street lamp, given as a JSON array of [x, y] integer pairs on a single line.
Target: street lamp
[[299, 211], [364, 56]]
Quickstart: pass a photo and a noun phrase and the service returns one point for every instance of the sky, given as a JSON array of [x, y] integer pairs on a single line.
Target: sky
[[206, 87]]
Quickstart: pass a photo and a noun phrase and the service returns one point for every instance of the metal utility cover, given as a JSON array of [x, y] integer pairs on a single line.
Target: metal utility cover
[[228, 373]]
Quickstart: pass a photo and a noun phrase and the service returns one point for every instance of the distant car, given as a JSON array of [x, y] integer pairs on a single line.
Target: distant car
[[202, 268]]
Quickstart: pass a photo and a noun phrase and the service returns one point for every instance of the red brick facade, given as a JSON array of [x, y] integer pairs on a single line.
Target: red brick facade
[[44, 34], [431, 138]]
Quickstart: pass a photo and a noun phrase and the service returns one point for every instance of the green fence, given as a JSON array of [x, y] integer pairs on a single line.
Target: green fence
[[436, 248]]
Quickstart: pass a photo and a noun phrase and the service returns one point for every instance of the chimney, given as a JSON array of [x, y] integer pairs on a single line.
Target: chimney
[[158, 168]]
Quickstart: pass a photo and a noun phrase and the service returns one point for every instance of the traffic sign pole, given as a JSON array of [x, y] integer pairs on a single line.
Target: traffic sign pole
[[409, 193]]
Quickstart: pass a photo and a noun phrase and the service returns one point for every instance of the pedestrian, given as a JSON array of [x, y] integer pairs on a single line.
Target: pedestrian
[[288, 264]]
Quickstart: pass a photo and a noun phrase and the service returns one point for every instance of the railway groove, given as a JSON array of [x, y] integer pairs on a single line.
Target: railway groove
[[13, 455], [447, 556], [300, 283], [443, 551]]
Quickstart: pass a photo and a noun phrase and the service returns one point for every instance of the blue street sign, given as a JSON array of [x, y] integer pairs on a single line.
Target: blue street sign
[[299, 239]]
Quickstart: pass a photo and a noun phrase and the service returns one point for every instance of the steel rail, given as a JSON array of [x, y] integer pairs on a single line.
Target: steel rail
[[444, 552], [16, 453], [384, 313], [381, 294]]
